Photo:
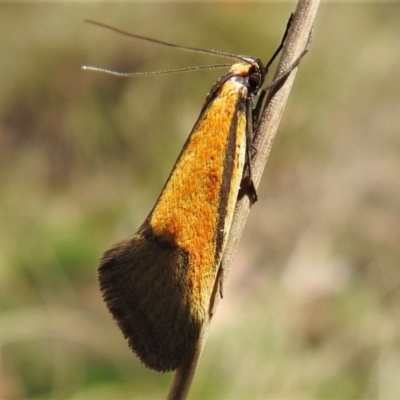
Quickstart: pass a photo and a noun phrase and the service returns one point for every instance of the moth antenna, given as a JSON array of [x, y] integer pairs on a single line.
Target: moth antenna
[[151, 73], [177, 46]]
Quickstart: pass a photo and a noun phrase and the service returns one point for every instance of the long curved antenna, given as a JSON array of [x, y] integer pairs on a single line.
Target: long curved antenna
[[188, 48], [169, 71]]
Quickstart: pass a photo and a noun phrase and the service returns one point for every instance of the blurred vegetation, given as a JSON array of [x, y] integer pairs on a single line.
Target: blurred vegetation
[[311, 307]]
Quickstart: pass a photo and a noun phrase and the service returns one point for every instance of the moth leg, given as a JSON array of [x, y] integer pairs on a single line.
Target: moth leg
[[220, 277], [247, 184]]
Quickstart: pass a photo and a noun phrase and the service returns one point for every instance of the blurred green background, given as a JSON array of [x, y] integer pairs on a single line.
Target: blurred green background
[[311, 306]]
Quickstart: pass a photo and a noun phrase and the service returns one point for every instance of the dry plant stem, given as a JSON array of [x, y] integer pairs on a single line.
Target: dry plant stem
[[295, 43]]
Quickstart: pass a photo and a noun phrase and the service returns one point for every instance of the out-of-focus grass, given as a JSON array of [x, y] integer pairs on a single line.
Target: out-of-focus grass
[[311, 308]]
